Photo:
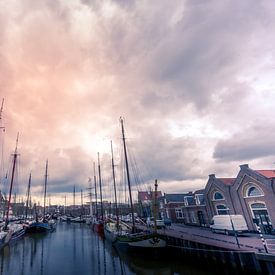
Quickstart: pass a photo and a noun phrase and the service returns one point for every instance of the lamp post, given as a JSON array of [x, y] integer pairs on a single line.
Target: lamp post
[[233, 228]]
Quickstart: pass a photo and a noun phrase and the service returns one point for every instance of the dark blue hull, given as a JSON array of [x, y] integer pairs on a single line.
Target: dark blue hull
[[40, 227]]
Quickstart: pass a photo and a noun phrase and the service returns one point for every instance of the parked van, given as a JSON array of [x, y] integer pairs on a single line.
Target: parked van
[[225, 224]]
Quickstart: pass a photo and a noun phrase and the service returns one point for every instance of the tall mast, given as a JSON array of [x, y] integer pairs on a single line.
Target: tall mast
[[81, 203], [65, 206], [15, 155], [114, 181], [45, 189], [90, 188], [2, 145], [100, 186], [74, 200], [28, 196], [127, 172], [155, 206], [1, 110], [96, 210]]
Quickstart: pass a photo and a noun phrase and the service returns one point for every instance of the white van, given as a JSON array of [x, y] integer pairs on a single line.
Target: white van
[[223, 224]]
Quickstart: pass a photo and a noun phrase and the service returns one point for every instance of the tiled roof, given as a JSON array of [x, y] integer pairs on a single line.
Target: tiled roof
[[227, 181], [267, 173]]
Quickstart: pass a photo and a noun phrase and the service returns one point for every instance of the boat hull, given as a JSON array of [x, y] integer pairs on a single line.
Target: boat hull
[[109, 235], [17, 234], [38, 227], [143, 244], [98, 227]]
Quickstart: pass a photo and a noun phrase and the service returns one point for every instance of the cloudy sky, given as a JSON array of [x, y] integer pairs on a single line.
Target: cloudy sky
[[194, 81]]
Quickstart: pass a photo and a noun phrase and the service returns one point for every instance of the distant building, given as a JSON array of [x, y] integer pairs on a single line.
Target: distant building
[[145, 202], [251, 194], [171, 206], [194, 209]]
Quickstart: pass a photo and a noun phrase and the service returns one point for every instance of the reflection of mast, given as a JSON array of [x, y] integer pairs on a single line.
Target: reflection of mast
[[15, 155], [28, 197], [114, 180], [127, 172], [100, 187]]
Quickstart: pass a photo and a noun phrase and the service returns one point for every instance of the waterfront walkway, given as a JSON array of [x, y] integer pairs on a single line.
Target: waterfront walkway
[[247, 243]]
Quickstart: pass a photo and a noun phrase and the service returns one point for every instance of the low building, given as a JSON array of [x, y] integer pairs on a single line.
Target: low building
[[145, 202], [171, 206], [194, 209]]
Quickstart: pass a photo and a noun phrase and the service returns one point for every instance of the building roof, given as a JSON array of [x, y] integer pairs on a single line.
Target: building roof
[[266, 173], [227, 181], [148, 195], [190, 200], [176, 197], [201, 191]]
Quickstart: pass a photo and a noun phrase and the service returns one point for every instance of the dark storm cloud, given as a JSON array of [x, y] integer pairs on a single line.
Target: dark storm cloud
[[249, 144], [69, 70]]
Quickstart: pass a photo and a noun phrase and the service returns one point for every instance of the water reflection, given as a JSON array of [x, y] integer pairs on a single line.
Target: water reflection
[[75, 249]]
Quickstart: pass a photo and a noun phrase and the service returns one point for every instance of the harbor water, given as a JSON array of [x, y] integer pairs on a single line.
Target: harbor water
[[76, 249]]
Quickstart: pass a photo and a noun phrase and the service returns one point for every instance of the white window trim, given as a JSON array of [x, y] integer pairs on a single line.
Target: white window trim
[[213, 197], [197, 199], [178, 209], [248, 186], [225, 209]]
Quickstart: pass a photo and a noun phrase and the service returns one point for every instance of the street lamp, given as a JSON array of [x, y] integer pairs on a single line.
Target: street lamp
[[233, 228]]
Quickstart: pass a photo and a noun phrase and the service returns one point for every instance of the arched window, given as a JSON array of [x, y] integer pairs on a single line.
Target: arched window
[[258, 205], [222, 209], [218, 196], [254, 192]]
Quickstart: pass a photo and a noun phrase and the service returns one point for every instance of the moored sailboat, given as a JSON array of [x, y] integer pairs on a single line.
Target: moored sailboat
[[134, 240], [12, 231], [45, 224], [98, 223]]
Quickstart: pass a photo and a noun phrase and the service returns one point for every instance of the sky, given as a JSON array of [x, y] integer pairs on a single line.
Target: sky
[[193, 80]]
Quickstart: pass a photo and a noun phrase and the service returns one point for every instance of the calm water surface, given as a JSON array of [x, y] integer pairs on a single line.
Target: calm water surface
[[76, 249]]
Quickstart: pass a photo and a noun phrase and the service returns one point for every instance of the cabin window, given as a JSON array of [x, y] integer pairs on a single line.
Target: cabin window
[[218, 196], [179, 214], [254, 192], [222, 209]]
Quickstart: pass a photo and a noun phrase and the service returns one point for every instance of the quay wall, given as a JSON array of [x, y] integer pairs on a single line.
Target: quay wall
[[233, 260]]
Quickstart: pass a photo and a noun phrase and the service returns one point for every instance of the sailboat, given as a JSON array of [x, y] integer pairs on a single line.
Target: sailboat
[[12, 231], [45, 224], [79, 219], [136, 240], [98, 224], [113, 227]]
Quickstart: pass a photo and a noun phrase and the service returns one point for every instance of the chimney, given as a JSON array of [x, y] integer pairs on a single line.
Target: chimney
[[244, 166], [212, 176]]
